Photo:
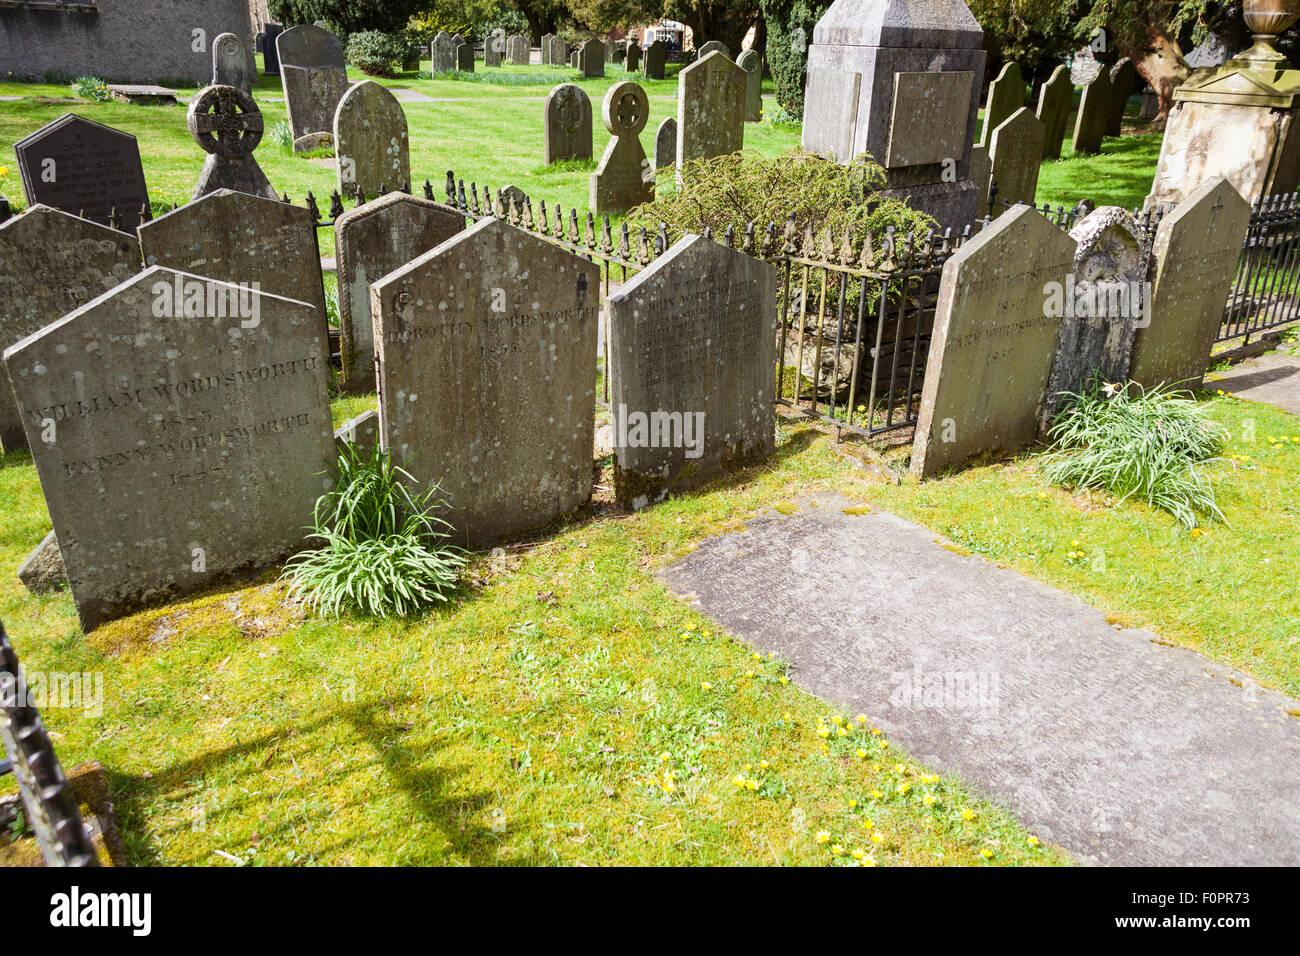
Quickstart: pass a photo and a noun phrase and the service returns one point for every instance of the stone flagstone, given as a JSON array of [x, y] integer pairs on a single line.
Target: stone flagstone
[[373, 240], [692, 369], [1194, 260], [566, 124], [1055, 100], [232, 65], [1006, 96], [710, 108], [487, 365], [52, 263], [623, 180], [991, 348], [191, 435], [655, 60], [666, 143], [752, 64], [1015, 152], [228, 126], [370, 138], [1094, 112], [1123, 76]]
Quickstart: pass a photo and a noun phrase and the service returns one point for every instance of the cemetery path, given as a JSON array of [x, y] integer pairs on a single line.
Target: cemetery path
[[1121, 749], [1272, 378]]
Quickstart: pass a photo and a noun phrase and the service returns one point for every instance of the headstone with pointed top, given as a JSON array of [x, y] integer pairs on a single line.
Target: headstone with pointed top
[[710, 108], [624, 179], [752, 63], [370, 137], [232, 65], [566, 124], [655, 60], [1055, 100], [1094, 113], [227, 124]]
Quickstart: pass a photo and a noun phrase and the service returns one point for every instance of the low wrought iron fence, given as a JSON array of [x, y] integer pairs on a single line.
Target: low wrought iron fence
[[1266, 291]]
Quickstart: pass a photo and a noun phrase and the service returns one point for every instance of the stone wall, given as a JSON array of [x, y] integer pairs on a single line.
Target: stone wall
[[126, 41]]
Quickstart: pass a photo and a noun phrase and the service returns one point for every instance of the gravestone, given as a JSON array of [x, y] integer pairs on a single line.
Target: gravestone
[[991, 348], [981, 174], [315, 78], [457, 40], [1015, 152], [632, 62], [752, 64], [574, 57], [494, 48], [623, 180], [1122, 78], [710, 108], [373, 240], [1054, 102], [1099, 306], [232, 64], [227, 125], [241, 239], [362, 432], [692, 369], [1094, 113], [52, 263], [443, 53], [188, 447], [518, 50], [1194, 260], [370, 138], [464, 58], [566, 124], [555, 51], [487, 371], [42, 571], [591, 58], [512, 194], [1006, 96], [655, 60], [546, 48], [85, 168], [666, 143], [270, 49], [710, 47]]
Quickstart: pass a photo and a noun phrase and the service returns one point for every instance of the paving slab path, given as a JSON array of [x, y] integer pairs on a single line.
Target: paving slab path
[[1121, 749], [1273, 378]]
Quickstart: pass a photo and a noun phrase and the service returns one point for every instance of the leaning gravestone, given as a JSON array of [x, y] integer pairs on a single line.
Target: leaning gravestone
[[991, 347], [591, 58], [245, 240], [85, 168], [692, 369], [518, 50], [623, 180], [566, 124], [1094, 112], [666, 143], [191, 433], [710, 47], [464, 58], [443, 53], [1122, 78], [487, 367], [372, 241], [494, 48], [232, 65], [1054, 102], [1194, 260], [632, 61], [752, 64], [710, 109], [1006, 96], [52, 263], [1015, 152], [370, 138], [1099, 305], [227, 125], [655, 60], [315, 78]]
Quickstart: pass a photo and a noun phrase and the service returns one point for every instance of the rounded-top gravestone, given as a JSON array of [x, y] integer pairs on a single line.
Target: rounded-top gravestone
[[231, 63], [566, 124]]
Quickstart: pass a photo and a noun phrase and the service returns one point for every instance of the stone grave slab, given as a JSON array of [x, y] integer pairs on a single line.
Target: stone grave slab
[[370, 140], [1015, 152], [494, 48], [1055, 99], [464, 57], [1094, 113], [632, 61], [655, 60], [566, 124], [443, 53], [232, 64], [624, 179], [710, 108], [591, 58], [518, 50], [981, 175], [927, 123], [143, 94], [710, 47], [311, 47], [271, 50], [1123, 76], [1006, 95], [666, 143], [312, 97], [752, 63], [361, 432]]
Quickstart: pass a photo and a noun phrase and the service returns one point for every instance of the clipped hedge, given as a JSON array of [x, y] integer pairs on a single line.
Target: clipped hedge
[[376, 53], [787, 62]]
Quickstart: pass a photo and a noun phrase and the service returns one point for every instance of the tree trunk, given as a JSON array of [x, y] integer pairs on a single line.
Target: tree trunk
[[1161, 64]]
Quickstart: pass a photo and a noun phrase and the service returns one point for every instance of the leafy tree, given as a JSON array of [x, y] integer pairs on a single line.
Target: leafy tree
[[348, 16], [789, 34], [1036, 34]]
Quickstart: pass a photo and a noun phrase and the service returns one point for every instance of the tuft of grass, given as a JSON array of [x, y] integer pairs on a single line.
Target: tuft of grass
[[91, 88], [386, 551], [1134, 442], [282, 135]]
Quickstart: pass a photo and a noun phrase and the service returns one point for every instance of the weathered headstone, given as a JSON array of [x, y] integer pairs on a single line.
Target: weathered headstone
[[981, 174], [632, 62], [464, 58], [227, 124], [370, 137], [42, 571], [710, 109], [270, 49], [310, 47], [1006, 96], [623, 180], [710, 47], [752, 63], [487, 367], [457, 40], [1094, 112], [85, 168], [991, 347], [315, 78], [232, 65], [1054, 102], [1194, 260], [1099, 305], [443, 53], [692, 369], [666, 143], [518, 50], [566, 124], [655, 60], [52, 263], [245, 240], [191, 433], [373, 240], [574, 57], [1122, 77], [591, 58], [494, 48], [555, 52], [1015, 152]]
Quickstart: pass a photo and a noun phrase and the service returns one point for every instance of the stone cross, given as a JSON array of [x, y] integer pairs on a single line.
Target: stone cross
[[226, 122], [623, 180]]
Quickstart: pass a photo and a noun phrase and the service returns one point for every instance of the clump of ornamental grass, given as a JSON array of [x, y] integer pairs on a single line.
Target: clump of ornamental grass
[[1151, 444], [91, 88], [385, 552]]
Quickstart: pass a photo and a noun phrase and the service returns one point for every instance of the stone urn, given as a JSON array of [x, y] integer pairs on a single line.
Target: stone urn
[[1266, 19]]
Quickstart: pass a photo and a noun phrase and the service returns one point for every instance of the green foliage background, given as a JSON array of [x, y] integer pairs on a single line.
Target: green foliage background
[[788, 65]]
